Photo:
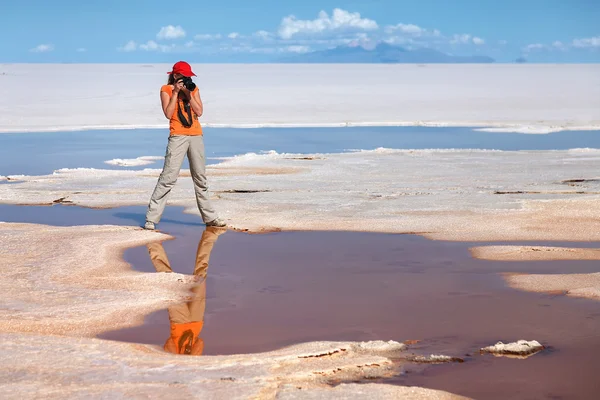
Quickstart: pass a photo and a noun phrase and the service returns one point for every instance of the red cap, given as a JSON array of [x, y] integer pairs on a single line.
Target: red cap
[[183, 68]]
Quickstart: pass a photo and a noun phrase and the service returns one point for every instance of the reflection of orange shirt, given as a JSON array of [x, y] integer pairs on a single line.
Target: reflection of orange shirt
[[182, 334], [175, 126]]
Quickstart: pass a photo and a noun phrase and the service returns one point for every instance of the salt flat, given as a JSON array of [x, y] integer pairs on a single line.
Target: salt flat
[[442, 194], [73, 283], [520, 98]]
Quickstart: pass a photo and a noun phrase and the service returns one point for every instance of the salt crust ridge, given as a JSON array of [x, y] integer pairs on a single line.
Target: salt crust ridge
[[574, 285], [519, 348], [133, 162]]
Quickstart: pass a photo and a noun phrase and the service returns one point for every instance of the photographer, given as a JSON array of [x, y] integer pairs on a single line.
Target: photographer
[[182, 105]]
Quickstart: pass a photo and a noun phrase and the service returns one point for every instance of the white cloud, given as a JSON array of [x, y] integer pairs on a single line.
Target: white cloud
[[411, 29], [151, 45], [267, 50], [535, 46], [340, 20], [560, 45], [42, 48], [129, 47], [339, 28], [460, 39], [258, 50], [584, 43], [208, 36], [399, 40], [593, 42], [298, 49], [81, 50], [248, 49], [263, 35], [170, 32]]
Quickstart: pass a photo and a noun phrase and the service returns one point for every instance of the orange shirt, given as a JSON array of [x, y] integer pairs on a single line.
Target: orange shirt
[[175, 126], [192, 330]]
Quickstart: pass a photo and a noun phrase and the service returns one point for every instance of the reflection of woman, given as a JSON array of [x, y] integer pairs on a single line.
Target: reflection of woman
[[187, 320], [182, 107]]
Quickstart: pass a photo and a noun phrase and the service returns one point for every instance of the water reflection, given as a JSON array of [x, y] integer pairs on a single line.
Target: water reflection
[[187, 319]]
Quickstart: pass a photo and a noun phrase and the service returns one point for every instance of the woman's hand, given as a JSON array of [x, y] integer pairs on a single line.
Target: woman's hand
[[185, 91], [177, 86]]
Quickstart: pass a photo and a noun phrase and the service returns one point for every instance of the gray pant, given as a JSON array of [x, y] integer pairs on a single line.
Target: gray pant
[[178, 147]]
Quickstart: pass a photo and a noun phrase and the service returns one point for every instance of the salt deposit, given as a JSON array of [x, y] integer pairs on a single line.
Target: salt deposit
[[133, 162], [72, 281], [449, 194], [521, 348], [515, 98], [534, 253], [434, 359], [63, 285], [51, 367], [574, 285]]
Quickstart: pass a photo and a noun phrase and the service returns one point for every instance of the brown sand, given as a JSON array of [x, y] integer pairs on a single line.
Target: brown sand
[[576, 285], [533, 253], [556, 220], [240, 171], [72, 281]]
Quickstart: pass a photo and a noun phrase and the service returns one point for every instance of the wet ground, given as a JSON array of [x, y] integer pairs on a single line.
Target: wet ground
[[271, 290]]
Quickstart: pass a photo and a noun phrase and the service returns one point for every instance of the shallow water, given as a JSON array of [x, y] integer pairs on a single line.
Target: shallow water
[[273, 290], [42, 153], [268, 291]]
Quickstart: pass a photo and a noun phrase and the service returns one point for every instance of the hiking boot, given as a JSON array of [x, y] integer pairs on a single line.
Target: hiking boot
[[217, 223], [149, 226]]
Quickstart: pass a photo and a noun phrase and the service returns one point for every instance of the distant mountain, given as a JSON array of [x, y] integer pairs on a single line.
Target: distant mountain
[[383, 53], [521, 60]]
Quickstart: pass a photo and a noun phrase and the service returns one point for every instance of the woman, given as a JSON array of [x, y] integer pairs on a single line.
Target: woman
[[182, 107], [187, 319]]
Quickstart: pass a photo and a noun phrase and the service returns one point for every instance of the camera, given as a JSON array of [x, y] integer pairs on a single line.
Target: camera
[[187, 82]]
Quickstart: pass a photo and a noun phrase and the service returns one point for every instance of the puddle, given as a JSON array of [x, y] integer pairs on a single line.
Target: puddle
[[268, 291], [263, 292]]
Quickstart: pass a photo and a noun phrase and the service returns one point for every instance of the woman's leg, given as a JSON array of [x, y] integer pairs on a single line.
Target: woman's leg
[[159, 258], [205, 246], [176, 150], [198, 170]]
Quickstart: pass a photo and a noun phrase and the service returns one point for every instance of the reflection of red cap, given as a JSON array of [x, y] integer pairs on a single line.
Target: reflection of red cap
[[183, 68]]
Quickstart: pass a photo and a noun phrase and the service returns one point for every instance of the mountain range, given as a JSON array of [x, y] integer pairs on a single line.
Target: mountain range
[[382, 53]]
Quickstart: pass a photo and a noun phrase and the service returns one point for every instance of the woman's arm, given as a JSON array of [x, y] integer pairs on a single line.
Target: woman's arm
[[168, 103], [196, 102]]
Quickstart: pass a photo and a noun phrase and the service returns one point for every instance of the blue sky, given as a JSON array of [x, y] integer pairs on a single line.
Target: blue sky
[[264, 30]]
